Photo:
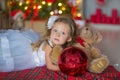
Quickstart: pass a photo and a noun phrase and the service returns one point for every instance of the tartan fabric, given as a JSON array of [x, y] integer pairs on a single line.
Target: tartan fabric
[[42, 73]]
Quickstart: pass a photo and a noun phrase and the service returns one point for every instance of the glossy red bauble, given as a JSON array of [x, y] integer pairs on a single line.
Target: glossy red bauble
[[73, 61]]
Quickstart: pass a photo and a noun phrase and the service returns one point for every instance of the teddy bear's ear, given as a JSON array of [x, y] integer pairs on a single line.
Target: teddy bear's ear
[[99, 37]]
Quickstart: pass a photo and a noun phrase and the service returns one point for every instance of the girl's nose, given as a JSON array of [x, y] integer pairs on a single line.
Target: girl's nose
[[57, 34]]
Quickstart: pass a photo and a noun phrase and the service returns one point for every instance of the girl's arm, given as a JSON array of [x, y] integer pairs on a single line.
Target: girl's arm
[[49, 63]]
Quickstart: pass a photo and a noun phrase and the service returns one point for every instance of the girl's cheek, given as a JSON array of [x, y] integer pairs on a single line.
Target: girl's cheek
[[52, 33]]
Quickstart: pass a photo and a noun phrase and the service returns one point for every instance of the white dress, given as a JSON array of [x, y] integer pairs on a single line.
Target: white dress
[[15, 50], [39, 56]]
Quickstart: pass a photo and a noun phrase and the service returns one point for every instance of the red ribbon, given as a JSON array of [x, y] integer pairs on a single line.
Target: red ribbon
[[81, 41]]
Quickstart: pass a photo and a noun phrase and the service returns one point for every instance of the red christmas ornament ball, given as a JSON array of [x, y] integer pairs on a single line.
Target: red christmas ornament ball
[[73, 61], [52, 1]]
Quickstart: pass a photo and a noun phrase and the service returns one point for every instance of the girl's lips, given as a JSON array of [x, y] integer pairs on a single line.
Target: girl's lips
[[56, 39]]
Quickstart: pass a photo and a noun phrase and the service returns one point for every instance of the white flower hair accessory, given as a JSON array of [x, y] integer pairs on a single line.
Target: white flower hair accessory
[[51, 21]]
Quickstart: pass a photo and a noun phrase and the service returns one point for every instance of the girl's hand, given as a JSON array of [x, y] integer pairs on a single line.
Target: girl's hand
[[47, 49], [49, 63]]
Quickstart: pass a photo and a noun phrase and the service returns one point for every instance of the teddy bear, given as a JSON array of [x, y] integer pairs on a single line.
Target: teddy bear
[[56, 50], [18, 22], [87, 40]]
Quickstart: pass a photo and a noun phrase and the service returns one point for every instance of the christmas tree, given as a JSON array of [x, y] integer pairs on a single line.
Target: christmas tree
[[41, 9]]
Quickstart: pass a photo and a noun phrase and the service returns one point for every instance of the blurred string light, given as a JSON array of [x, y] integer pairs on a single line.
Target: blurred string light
[[26, 8], [39, 6], [59, 4], [78, 7], [43, 2], [27, 2], [49, 3], [43, 6], [20, 4]]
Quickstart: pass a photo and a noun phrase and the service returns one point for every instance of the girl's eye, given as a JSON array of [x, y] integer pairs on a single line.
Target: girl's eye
[[63, 33], [55, 30]]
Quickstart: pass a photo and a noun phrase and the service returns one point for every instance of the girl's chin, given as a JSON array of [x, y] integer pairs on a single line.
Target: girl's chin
[[57, 44]]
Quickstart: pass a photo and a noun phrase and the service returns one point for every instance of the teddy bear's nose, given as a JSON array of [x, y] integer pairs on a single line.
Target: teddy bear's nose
[[21, 17], [86, 28]]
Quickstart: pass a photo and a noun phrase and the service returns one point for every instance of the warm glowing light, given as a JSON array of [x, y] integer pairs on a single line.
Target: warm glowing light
[[78, 14], [39, 7], [27, 2], [20, 4], [63, 8], [43, 2], [10, 2], [51, 13], [59, 4], [49, 4], [34, 7], [60, 11], [26, 8], [78, 1]]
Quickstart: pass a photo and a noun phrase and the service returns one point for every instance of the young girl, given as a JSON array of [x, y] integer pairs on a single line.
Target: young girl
[[62, 33]]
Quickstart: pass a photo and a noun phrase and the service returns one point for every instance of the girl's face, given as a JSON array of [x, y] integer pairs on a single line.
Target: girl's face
[[60, 33]]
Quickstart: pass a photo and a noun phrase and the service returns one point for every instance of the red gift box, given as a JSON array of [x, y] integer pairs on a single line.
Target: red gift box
[[93, 18], [118, 20], [108, 21], [98, 11], [103, 20], [98, 19], [114, 16], [98, 15], [114, 20], [114, 13]]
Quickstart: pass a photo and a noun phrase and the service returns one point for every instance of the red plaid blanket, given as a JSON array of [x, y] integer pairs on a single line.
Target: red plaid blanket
[[42, 73]]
